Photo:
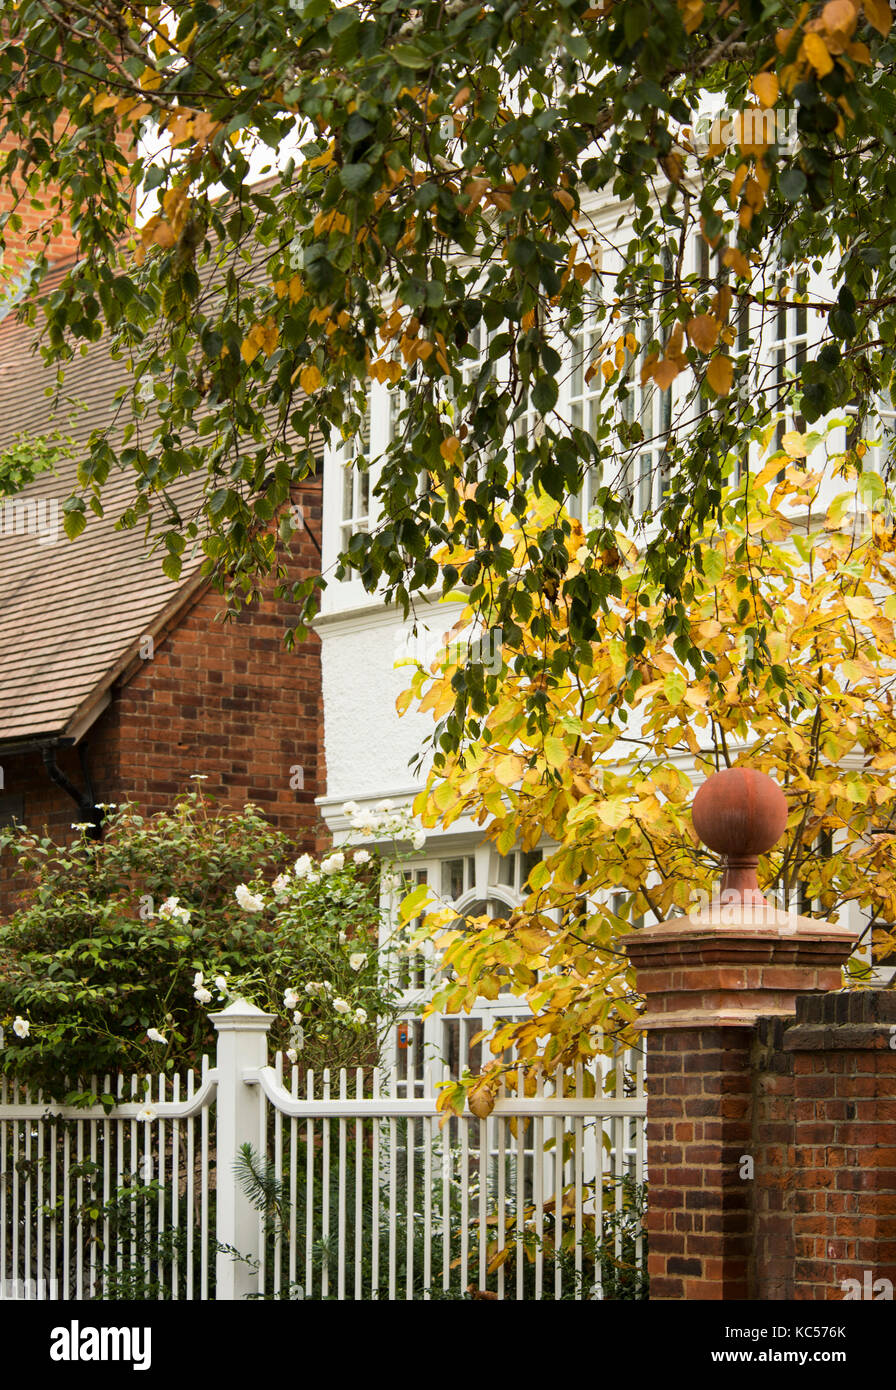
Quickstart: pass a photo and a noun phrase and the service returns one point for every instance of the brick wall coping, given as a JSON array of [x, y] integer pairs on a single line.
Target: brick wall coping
[[864, 1020], [728, 975], [759, 921]]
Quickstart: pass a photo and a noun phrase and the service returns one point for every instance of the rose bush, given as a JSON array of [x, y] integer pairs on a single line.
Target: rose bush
[[123, 947]]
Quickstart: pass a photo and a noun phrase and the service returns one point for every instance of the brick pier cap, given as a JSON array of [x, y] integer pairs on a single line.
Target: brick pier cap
[[742, 957]]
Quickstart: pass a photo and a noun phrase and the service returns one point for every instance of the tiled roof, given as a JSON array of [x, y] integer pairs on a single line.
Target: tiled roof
[[70, 611]]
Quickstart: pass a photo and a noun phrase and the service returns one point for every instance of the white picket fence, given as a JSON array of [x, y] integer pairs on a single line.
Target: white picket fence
[[360, 1190]]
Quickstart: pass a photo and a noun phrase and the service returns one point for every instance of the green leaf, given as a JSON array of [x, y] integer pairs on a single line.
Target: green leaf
[[172, 566], [73, 524], [544, 394], [674, 687], [409, 56], [354, 176], [792, 183], [713, 565]]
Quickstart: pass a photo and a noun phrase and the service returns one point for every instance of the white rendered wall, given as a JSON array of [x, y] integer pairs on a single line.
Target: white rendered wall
[[368, 745]]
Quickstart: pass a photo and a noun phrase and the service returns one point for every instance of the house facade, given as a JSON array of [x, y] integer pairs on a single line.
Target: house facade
[[116, 683], [366, 645]]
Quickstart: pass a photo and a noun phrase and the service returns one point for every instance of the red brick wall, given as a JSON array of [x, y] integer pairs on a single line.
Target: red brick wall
[[37, 223], [844, 1086], [813, 1104], [698, 1082], [222, 699], [772, 1153]]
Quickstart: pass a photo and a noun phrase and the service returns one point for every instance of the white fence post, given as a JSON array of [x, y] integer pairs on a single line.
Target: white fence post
[[242, 1045]]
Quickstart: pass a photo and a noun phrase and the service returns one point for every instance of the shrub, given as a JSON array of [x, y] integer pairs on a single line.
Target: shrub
[[122, 940]]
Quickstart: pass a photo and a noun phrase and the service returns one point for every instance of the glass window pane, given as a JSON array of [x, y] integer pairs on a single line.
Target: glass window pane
[[506, 870], [530, 858], [452, 878]]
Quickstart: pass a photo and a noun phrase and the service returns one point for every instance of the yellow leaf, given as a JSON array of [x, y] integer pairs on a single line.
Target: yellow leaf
[[163, 235], [878, 14], [613, 811], [703, 332], [102, 101], [533, 940], [860, 53], [691, 14], [664, 373], [268, 336], [737, 261], [720, 375], [815, 51], [309, 379], [673, 167], [481, 1102], [555, 752], [607, 370], [794, 444], [753, 194], [450, 448], [839, 17], [765, 86], [326, 157], [383, 370], [771, 470], [508, 770], [859, 607]]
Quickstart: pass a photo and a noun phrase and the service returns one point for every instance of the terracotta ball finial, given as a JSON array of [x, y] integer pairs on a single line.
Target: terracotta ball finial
[[740, 813]]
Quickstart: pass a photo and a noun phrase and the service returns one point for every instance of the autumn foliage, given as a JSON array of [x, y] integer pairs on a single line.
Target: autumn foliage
[[611, 784]]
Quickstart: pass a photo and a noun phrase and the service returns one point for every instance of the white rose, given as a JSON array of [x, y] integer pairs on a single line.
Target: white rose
[[292, 1054], [351, 808], [342, 1006], [357, 960], [342, 938], [198, 980], [302, 866], [418, 839], [21, 1027], [362, 856], [333, 863], [280, 885], [202, 995], [147, 1113], [360, 1015], [290, 999], [249, 902], [221, 984], [383, 806], [155, 1036]]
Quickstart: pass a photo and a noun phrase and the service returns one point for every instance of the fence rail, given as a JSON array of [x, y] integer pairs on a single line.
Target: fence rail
[[249, 1182]]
